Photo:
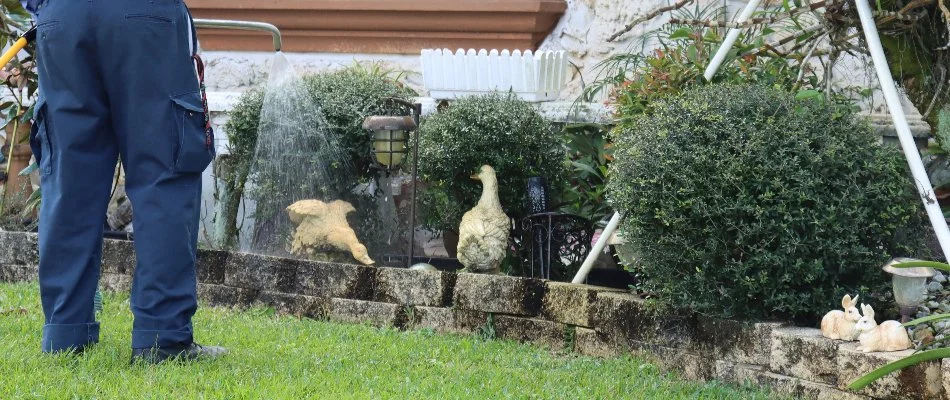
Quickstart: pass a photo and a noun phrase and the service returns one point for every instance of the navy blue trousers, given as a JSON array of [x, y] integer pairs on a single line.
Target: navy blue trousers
[[117, 78]]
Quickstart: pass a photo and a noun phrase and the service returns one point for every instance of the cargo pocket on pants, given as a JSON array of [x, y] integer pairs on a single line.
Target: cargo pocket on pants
[[195, 137], [40, 140]]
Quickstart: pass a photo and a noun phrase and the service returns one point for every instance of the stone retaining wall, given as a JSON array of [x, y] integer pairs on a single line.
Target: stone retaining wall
[[590, 320]]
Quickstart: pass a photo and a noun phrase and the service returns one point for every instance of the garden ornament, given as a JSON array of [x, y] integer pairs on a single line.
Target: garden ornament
[[483, 232], [888, 336], [423, 267], [323, 226], [839, 325]]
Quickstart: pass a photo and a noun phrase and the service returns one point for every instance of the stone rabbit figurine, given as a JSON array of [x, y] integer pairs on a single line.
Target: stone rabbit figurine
[[837, 324], [888, 336]]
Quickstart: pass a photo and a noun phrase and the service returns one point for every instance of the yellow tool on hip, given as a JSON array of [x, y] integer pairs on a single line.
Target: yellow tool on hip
[[24, 40]]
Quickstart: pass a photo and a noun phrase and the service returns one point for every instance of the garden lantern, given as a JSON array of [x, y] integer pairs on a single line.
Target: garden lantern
[[389, 147], [910, 286], [389, 138]]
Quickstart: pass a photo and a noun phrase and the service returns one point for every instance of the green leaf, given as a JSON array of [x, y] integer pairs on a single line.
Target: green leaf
[[807, 94], [879, 373], [29, 170], [681, 33], [931, 318], [584, 168], [928, 264]]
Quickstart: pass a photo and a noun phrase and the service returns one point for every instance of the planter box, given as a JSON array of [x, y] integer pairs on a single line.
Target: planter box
[[534, 77]]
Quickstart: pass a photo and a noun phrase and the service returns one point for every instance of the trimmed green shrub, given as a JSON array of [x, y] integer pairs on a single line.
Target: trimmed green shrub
[[345, 98], [741, 201], [495, 129]]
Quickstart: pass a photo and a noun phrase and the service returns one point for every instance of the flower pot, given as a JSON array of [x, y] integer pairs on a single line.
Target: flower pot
[[18, 160]]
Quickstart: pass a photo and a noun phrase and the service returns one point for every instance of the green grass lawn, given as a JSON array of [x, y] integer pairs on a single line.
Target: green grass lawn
[[281, 357]]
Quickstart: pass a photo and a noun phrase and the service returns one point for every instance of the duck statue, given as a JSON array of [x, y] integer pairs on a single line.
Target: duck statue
[[484, 230]]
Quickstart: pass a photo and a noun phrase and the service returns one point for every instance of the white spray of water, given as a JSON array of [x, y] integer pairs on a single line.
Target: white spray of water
[[296, 157]]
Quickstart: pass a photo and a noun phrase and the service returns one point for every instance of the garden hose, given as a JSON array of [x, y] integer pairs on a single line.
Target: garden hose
[[20, 43]]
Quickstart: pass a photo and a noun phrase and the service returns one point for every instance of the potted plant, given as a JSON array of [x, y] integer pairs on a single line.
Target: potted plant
[[20, 80]]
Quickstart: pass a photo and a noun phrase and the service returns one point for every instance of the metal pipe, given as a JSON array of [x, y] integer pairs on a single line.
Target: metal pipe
[[598, 248], [245, 25], [729, 40], [924, 187]]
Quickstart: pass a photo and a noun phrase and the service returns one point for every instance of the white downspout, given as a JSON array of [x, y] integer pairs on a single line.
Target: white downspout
[[924, 187]]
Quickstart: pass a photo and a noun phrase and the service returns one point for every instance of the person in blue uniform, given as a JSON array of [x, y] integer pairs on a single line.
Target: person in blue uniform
[[119, 79]]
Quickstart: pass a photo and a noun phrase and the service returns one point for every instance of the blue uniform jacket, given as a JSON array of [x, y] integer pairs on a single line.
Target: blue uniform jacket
[[30, 5]]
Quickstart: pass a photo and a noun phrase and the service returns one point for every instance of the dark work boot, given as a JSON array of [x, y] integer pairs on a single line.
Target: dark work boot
[[194, 351]]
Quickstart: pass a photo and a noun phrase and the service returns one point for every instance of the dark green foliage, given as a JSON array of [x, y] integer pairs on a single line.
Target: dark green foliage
[[741, 201], [345, 98], [241, 130], [496, 129], [589, 152]]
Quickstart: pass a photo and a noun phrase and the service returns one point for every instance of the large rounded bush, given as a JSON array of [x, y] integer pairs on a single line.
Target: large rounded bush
[[495, 129], [741, 201]]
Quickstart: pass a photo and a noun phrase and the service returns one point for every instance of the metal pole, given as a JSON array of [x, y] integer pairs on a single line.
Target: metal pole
[[245, 25], [416, 112], [729, 40], [598, 247], [924, 187]]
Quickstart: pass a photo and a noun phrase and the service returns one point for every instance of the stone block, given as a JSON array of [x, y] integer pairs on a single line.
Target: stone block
[[416, 288], [115, 282], [738, 373], [18, 273], [571, 303], [118, 256], [741, 342], [19, 248], [438, 319], [335, 280], [804, 353], [592, 343], [469, 321], [945, 371], [921, 381], [226, 296], [621, 318], [691, 366], [211, 266], [296, 304], [251, 271], [538, 331], [366, 312], [498, 294]]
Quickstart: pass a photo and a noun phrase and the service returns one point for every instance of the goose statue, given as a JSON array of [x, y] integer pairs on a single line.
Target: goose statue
[[483, 233]]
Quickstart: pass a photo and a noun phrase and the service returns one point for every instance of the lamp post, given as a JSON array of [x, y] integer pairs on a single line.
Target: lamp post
[[388, 131], [910, 286]]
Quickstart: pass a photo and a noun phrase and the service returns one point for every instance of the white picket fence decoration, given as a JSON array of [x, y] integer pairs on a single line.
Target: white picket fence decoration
[[534, 77]]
